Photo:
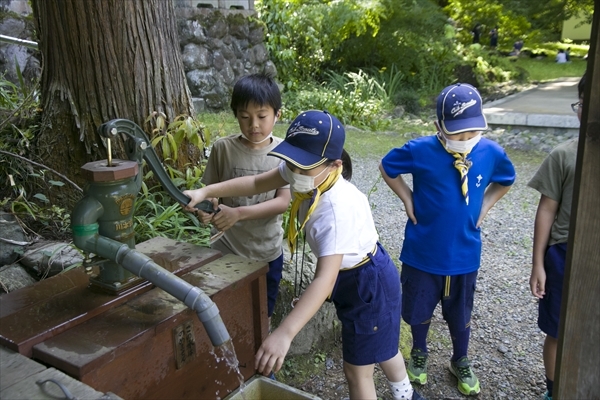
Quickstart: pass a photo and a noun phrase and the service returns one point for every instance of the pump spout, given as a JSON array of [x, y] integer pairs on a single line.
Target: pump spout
[[141, 265], [190, 295]]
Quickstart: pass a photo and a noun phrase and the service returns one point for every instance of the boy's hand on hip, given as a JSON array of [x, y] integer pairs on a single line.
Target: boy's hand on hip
[[410, 212]]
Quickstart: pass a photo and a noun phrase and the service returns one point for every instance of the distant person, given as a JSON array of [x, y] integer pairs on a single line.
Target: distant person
[[554, 180], [458, 176], [517, 47], [561, 57], [568, 54], [251, 224], [494, 38], [476, 32]]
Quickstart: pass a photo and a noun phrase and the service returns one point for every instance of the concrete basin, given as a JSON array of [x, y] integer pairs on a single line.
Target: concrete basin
[[263, 388]]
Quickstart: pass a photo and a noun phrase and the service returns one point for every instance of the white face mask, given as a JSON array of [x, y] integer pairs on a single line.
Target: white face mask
[[462, 146], [301, 183], [260, 141]]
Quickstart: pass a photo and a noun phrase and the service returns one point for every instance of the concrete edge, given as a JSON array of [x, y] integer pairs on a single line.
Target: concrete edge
[[524, 92], [538, 120]]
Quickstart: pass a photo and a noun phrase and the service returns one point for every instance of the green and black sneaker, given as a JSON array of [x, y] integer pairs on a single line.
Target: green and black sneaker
[[417, 367], [468, 384]]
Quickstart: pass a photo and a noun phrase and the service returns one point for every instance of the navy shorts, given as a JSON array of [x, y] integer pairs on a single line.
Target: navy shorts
[[273, 278], [422, 291], [368, 302], [549, 306]]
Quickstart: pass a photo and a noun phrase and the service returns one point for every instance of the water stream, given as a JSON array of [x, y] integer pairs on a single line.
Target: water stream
[[226, 352]]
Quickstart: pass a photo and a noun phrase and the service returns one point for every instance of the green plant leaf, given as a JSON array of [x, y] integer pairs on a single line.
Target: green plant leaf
[[41, 197]]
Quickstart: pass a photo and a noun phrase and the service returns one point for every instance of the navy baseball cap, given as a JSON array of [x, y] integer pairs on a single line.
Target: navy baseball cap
[[459, 109], [313, 138]]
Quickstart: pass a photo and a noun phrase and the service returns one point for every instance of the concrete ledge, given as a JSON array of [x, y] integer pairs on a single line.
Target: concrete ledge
[[495, 117], [19, 374], [544, 106], [505, 118]]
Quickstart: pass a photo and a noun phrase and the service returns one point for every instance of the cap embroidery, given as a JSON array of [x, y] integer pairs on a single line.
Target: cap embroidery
[[459, 107], [298, 129]]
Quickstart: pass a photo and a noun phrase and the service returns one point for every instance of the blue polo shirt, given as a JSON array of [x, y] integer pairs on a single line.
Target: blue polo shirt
[[445, 240]]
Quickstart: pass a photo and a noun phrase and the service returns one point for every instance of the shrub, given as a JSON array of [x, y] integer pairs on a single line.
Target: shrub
[[302, 35], [357, 99]]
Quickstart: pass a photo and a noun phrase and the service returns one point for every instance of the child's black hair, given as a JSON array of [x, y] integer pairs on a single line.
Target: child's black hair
[[581, 86], [346, 163], [259, 88]]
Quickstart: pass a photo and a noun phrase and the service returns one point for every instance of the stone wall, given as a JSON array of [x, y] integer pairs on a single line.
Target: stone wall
[[15, 21], [220, 41], [218, 47]]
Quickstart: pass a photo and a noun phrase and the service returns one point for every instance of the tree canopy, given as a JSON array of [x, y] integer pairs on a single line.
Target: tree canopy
[[423, 39]]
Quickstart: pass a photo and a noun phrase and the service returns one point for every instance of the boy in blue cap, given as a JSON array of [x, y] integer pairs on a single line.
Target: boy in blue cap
[[353, 270], [457, 177]]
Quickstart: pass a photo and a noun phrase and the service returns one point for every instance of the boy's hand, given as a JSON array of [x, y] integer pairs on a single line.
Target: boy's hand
[[272, 353], [205, 217], [410, 210], [226, 218], [479, 221], [196, 196], [537, 281]]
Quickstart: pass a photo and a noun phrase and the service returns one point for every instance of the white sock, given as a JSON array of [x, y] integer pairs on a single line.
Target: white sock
[[402, 390]]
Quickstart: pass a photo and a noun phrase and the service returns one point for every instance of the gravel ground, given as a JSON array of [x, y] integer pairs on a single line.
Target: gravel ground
[[506, 344]]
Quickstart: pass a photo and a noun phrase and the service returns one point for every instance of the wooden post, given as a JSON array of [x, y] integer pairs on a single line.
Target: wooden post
[[577, 373]]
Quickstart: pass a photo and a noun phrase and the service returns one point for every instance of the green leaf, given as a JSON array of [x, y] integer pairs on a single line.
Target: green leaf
[[156, 140], [41, 197]]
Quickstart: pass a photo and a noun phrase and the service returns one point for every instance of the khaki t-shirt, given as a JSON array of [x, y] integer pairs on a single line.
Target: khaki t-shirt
[[258, 239], [555, 179]]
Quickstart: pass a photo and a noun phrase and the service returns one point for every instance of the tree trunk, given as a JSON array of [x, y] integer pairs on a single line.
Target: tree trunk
[[106, 59]]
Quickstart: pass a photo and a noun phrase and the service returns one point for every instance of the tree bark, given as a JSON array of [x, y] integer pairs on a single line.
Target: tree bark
[[106, 59]]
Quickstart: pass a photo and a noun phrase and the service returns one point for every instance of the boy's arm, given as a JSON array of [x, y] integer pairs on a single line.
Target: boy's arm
[[272, 352], [544, 218], [242, 186], [401, 189], [228, 216], [493, 193]]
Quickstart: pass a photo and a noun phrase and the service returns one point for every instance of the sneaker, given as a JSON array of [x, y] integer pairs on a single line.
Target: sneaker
[[417, 367], [468, 384], [546, 397]]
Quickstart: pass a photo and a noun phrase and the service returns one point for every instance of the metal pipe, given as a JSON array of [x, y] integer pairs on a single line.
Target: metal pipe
[[86, 237], [22, 42]]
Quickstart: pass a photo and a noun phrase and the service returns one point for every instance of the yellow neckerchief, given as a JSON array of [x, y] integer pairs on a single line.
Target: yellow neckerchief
[[315, 195], [462, 165]]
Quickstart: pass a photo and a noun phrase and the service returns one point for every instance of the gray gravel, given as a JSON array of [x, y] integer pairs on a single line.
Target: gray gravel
[[506, 344]]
